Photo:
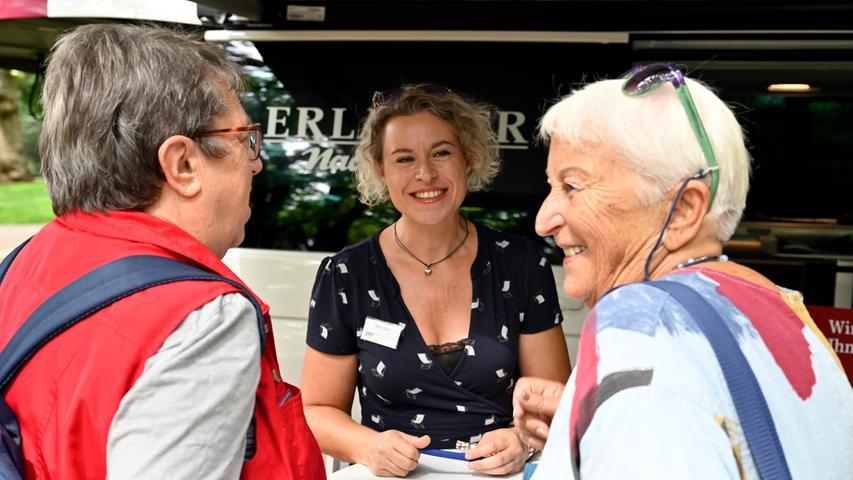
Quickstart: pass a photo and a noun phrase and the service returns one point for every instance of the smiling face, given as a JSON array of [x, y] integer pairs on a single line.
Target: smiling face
[[595, 216], [424, 168]]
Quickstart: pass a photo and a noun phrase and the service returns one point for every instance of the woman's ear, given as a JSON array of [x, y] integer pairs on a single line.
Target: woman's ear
[[181, 162], [689, 215], [380, 169]]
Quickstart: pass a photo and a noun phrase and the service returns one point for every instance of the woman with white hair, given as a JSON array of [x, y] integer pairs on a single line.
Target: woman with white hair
[[690, 365], [433, 318]]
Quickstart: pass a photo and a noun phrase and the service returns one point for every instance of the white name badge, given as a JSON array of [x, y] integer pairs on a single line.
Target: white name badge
[[382, 333]]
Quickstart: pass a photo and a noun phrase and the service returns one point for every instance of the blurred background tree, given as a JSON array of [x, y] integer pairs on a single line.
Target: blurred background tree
[[13, 161], [31, 114]]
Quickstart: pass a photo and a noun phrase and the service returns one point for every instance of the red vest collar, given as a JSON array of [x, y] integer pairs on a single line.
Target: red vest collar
[[134, 225]]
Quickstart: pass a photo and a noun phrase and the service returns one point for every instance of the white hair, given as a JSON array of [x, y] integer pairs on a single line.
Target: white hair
[[652, 136]]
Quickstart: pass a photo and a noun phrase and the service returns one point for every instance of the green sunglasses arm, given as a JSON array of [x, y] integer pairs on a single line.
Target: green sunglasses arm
[[701, 136]]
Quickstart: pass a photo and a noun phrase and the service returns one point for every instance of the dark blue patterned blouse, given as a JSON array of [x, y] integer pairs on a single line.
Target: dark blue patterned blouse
[[404, 388]]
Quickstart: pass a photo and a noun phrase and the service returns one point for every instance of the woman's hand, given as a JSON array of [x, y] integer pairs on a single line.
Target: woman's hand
[[393, 453], [503, 451], [534, 403]]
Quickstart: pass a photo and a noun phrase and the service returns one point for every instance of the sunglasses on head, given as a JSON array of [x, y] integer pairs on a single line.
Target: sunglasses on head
[[391, 95], [645, 78]]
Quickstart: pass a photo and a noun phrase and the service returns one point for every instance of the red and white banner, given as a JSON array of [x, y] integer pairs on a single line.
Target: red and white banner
[[837, 326], [174, 11], [22, 9]]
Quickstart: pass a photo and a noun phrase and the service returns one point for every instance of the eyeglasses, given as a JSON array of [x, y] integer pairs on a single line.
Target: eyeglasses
[[393, 94], [644, 79], [253, 137]]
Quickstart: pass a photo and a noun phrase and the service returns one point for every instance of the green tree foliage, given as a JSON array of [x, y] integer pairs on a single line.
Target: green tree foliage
[[31, 113], [13, 164]]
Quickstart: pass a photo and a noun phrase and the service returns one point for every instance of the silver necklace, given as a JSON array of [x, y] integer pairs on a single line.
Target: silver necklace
[[428, 266], [706, 258]]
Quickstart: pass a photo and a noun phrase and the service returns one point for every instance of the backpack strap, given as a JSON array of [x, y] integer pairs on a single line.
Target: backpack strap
[[8, 260], [751, 407], [84, 296], [95, 290], [11, 457]]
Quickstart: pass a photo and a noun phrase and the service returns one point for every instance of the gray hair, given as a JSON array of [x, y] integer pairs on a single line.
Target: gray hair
[[112, 95], [470, 121], [652, 136]]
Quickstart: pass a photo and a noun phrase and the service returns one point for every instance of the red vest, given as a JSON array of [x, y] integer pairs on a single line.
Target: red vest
[[68, 393]]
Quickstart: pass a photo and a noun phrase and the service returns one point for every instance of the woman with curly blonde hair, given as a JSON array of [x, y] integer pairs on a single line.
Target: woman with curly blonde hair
[[433, 318]]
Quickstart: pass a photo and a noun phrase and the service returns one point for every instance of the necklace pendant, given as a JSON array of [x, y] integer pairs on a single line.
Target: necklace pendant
[[427, 271]]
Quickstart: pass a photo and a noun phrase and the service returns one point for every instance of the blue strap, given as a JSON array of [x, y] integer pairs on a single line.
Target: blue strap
[[752, 411], [8, 260], [94, 291], [436, 452]]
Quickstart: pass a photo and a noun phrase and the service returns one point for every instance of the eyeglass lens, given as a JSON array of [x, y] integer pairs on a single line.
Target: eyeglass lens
[[649, 77], [255, 142]]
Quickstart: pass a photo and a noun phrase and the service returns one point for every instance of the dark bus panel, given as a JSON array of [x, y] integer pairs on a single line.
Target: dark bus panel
[[313, 81]]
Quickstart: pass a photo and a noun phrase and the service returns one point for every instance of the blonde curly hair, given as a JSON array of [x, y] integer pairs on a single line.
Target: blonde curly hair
[[470, 120]]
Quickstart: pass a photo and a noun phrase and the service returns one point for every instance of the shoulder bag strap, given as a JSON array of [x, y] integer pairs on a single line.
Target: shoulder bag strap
[[94, 291], [8, 260], [752, 410]]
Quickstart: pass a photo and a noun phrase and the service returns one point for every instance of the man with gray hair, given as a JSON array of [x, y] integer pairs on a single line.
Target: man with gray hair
[[146, 150]]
